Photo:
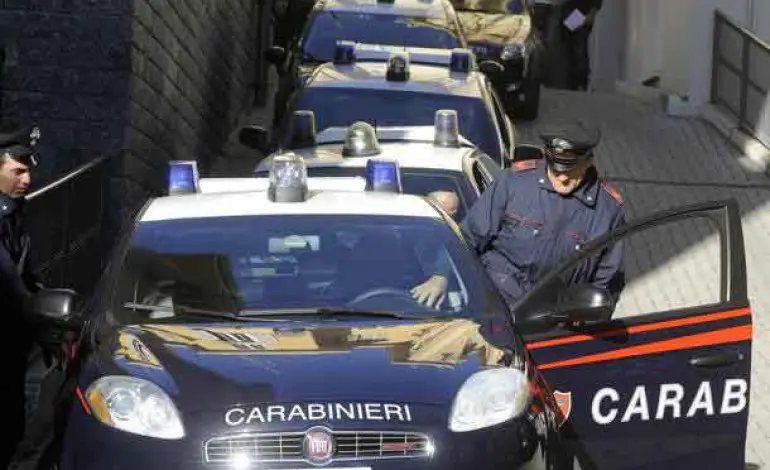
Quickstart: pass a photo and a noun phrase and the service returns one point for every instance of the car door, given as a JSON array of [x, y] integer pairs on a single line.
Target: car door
[[661, 384], [504, 125]]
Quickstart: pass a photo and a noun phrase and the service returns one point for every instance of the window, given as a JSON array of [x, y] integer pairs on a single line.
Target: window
[[328, 27], [501, 119], [236, 264]]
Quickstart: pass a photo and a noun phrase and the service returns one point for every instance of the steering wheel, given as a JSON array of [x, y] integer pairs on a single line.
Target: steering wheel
[[382, 291]]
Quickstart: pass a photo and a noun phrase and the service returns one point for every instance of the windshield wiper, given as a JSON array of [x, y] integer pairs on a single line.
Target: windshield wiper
[[183, 310], [325, 311]]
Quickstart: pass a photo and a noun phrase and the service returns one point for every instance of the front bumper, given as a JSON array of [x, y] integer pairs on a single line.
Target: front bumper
[[514, 445]]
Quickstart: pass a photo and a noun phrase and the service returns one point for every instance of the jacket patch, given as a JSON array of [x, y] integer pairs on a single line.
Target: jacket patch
[[613, 192], [523, 165], [524, 221]]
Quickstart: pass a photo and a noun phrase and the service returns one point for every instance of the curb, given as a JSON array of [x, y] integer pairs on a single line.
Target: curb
[[728, 126]]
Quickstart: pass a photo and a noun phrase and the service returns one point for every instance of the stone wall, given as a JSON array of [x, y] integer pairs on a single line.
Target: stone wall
[[193, 66]]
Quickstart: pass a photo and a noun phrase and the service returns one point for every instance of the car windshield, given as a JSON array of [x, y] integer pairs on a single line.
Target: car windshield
[[327, 27], [340, 107], [253, 266], [490, 6], [421, 182]]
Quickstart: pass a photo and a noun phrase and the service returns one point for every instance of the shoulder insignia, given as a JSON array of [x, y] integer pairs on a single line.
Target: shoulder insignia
[[7, 205], [613, 192], [523, 165]]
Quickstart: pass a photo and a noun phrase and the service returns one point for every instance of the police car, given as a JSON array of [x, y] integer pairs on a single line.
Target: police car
[[430, 158], [275, 329], [391, 86], [497, 32], [415, 23]]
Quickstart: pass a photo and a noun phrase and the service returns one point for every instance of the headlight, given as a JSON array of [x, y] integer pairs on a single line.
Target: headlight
[[135, 405], [489, 397], [514, 51]]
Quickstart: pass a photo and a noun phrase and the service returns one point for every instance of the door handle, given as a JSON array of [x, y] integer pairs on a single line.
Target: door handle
[[716, 360]]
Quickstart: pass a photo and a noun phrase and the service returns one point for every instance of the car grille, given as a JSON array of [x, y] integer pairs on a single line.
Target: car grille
[[287, 447]]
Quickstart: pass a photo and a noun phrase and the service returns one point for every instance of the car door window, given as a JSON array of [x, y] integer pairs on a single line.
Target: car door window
[[673, 362], [502, 124], [505, 124], [493, 168]]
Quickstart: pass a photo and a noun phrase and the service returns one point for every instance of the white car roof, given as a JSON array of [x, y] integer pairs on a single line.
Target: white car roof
[[256, 203], [411, 155]]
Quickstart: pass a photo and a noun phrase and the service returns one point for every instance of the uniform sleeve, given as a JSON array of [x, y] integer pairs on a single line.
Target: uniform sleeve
[[610, 272], [483, 220], [13, 290]]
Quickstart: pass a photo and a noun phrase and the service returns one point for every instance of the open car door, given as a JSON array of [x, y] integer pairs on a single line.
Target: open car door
[[642, 381]]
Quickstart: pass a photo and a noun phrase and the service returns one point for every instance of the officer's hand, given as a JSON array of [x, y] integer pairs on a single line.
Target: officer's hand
[[431, 292]]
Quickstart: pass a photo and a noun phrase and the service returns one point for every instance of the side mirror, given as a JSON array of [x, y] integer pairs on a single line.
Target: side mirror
[[57, 306], [491, 69], [275, 55], [527, 152], [255, 137], [581, 303]]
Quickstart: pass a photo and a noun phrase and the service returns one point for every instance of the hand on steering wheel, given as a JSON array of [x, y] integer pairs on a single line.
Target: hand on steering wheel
[[381, 291]]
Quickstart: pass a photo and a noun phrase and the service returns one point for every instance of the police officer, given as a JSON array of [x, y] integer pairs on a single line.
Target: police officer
[[535, 215], [576, 41], [17, 282]]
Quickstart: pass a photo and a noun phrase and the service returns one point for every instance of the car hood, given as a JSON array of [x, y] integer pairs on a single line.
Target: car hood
[[494, 29], [220, 365]]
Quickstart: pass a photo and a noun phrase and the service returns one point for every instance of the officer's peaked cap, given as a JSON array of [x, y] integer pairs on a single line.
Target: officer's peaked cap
[[572, 138], [21, 145], [566, 146]]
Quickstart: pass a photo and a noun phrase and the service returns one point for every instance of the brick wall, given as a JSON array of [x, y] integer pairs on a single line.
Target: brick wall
[[66, 69], [193, 66], [144, 80]]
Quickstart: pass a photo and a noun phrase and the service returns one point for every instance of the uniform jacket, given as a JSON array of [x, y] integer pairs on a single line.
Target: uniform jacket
[[521, 228], [17, 280]]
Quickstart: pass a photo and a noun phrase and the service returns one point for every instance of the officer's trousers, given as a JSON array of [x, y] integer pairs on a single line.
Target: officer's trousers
[[39, 448], [578, 63], [14, 414]]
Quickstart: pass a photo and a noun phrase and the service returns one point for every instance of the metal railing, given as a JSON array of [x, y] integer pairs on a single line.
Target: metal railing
[[71, 240], [67, 224], [740, 76]]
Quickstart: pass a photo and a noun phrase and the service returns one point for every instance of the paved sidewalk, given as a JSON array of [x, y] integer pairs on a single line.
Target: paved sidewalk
[[657, 162]]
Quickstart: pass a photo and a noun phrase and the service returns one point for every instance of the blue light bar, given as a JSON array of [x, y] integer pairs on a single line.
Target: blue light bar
[[383, 176], [345, 52], [460, 60], [183, 177]]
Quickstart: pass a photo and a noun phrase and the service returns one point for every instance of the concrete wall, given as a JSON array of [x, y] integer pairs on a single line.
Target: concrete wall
[[672, 39]]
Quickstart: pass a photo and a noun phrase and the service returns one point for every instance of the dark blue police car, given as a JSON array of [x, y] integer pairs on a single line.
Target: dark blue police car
[[391, 86], [275, 330], [412, 23]]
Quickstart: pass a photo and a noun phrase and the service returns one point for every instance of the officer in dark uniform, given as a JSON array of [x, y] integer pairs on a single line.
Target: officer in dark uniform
[[539, 212], [535, 215], [17, 281], [576, 42]]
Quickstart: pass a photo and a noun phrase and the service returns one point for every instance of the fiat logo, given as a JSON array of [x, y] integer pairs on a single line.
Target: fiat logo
[[318, 445]]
